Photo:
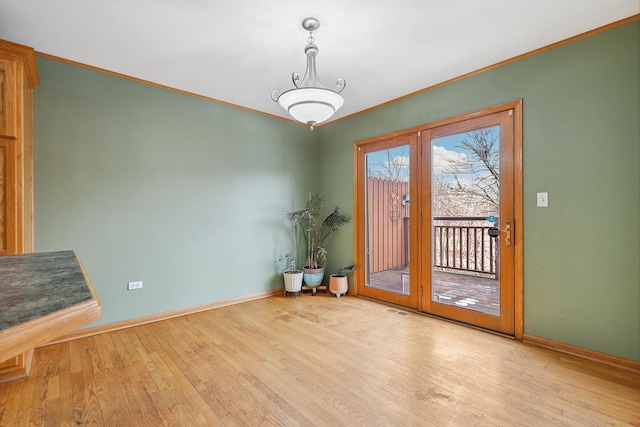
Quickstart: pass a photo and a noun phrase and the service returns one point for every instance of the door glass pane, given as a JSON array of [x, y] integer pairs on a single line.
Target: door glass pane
[[387, 217], [465, 189]]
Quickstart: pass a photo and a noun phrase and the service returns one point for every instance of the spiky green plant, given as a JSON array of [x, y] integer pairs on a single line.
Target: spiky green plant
[[315, 231]]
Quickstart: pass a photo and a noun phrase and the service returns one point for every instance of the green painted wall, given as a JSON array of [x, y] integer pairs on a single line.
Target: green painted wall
[[186, 195], [189, 196], [582, 145]]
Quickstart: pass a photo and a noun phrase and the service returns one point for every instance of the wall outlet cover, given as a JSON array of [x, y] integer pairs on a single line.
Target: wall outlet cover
[[134, 285]]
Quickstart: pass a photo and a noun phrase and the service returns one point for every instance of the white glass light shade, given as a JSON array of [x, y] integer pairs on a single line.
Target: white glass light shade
[[309, 102], [311, 105]]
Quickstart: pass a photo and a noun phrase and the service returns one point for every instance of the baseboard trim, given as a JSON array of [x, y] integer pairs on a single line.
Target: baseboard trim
[[582, 352], [139, 321]]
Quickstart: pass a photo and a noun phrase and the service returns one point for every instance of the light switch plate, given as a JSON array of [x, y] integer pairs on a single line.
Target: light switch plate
[[543, 200]]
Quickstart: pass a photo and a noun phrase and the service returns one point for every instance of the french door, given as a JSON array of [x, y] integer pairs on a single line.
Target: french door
[[438, 218], [385, 218]]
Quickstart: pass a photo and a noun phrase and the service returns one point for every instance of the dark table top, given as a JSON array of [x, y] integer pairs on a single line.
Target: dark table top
[[34, 285]]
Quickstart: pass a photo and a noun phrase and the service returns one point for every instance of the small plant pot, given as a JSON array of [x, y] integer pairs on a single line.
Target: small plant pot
[[313, 276], [338, 284], [292, 281]]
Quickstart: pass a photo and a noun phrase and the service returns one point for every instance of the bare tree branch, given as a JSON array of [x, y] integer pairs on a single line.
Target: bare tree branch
[[481, 163]]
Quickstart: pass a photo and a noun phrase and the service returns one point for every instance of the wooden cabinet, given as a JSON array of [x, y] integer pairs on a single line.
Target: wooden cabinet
[[18, 77], [8, 113], [16, 367]]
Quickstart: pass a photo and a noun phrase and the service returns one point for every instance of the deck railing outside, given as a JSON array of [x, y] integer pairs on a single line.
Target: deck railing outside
[[463, 244], [460, 244]]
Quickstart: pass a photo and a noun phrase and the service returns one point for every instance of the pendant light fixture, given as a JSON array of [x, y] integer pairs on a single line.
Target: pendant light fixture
[[309, 102]]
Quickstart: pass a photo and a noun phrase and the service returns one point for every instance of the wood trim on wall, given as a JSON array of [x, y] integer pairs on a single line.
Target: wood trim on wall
[[161, 86], [582, 352], [519, 220], [28, 184], [455, 79], [139, 321], [527, 338], [389, 139], [496, 65], [26, 55]]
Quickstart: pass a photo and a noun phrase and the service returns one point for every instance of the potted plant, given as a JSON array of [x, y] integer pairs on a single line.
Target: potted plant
[[292, 276], [338, 282], [316, 231]]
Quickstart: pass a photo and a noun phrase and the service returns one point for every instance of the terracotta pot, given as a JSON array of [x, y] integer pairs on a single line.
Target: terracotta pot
[[338, 284]]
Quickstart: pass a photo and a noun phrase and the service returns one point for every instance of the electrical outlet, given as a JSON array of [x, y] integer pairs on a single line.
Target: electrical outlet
[[134, 285]]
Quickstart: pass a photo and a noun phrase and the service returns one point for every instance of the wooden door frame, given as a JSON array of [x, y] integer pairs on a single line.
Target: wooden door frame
[[505, 321], [380, 143], [517, 235]]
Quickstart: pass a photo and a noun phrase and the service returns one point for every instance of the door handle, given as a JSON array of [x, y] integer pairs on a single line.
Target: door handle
[[507, 230], [495, 232]]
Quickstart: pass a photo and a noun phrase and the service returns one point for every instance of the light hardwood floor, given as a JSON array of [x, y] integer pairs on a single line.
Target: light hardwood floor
[[314, 361]]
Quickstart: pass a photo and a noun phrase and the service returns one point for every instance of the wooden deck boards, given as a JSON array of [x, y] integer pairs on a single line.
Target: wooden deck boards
[[474, 293]]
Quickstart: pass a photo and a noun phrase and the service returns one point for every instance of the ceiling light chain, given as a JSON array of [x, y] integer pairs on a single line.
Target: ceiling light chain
[[309, 102]]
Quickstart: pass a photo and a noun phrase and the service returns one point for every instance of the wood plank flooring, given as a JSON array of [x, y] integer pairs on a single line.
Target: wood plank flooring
[[314, 361]]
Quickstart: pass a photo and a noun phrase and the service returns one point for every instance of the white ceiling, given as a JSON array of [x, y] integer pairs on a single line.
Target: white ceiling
[[239, 51]]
